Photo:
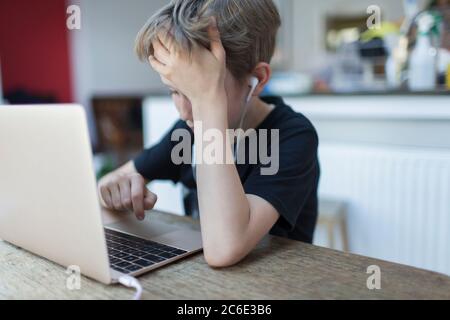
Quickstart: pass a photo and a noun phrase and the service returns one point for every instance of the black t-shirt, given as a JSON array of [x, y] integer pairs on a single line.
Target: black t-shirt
[[292, 191]]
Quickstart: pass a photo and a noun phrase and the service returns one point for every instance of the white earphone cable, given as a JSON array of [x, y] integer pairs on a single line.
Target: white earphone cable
[[241, 123], [243, 116]]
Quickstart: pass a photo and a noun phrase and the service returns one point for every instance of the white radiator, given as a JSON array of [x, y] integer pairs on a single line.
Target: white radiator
[[399, 201]]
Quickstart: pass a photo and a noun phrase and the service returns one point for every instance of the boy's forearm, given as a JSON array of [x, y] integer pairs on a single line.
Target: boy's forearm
[[224, 207]]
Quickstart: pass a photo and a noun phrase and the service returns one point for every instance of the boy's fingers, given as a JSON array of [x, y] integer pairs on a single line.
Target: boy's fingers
[[115, 196], [125, 194], [158, 66], [106, 197], [214, 37], [167, 41], [150, 200], [137, 196], [160, 52], [167, 82]]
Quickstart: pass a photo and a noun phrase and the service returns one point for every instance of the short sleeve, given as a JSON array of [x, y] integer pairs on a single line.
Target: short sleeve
[[290, 188], [156, 163]]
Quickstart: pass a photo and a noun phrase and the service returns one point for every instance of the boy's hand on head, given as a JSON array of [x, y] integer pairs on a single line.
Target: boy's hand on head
[[127, 193], [195, 74]]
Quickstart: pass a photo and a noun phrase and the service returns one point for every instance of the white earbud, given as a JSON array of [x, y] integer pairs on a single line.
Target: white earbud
[[254, 83]]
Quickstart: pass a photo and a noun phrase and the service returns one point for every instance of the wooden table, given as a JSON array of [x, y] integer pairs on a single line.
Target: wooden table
[[277, 269]]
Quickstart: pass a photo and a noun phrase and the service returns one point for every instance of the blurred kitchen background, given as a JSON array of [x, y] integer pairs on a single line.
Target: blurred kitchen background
[[376, 90]]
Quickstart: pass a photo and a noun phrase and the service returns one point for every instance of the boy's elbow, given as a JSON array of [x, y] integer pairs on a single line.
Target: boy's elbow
[[223, 257], [220, 261]]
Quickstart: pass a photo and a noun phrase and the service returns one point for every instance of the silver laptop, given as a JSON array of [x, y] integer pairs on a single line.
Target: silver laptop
[[49, 203]]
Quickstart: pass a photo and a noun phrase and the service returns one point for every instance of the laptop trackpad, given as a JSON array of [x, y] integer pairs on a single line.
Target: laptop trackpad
[[147, 229]]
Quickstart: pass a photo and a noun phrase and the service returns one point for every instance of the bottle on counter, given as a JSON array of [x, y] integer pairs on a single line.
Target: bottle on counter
[[393, 63], [423, 60]]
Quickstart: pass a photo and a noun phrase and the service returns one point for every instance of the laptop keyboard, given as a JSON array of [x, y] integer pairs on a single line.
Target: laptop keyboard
[[129, 254]]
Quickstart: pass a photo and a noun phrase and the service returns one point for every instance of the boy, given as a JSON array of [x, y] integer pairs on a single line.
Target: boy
[[214, 55]]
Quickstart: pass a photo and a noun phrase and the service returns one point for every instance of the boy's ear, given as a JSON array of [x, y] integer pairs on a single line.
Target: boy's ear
[[262, 72]]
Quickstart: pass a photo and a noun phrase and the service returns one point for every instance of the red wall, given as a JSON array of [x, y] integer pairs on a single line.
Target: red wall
[[34, 48]]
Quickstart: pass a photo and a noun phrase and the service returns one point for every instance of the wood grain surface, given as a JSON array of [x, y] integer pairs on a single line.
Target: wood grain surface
[[277, 269]]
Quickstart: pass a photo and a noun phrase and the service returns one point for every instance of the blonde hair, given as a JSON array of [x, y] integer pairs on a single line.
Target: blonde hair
[[248, 29]]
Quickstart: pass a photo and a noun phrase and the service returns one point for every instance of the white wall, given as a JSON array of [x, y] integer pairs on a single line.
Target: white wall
[[109, 28], [103, 60]]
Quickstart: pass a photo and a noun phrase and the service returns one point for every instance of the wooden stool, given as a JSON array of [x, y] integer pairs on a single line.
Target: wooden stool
[[332, 215]]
